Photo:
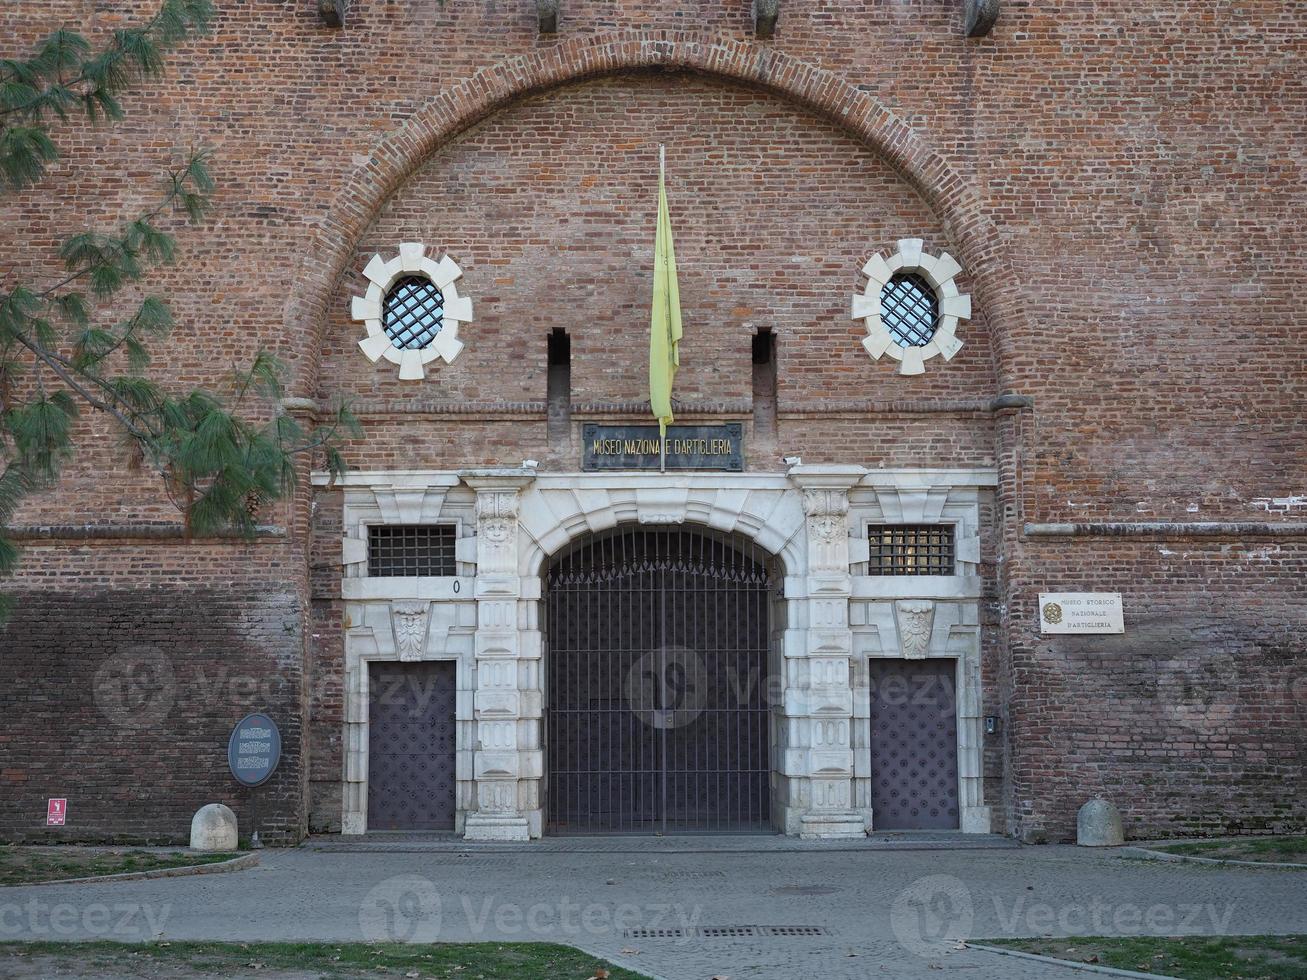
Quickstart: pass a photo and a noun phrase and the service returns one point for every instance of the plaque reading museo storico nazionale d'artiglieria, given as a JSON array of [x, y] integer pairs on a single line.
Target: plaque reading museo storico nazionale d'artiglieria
[[689, 447]]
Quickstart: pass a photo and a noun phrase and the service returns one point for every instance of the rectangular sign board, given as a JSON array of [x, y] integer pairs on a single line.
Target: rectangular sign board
[[56, 811], [637, 447], [1081, 612]]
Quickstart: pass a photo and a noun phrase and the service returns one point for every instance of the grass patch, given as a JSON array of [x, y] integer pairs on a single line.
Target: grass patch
[[1188, 957], [467, 961], [24, 865], [1292, 849]]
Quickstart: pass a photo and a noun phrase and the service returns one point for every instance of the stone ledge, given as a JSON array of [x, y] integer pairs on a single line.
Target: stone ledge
[[119, 532], [1169, 529]]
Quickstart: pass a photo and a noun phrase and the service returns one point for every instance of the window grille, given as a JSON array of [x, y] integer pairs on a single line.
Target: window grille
[[414, 312], [910, 549], [909, 309], [411, 549]]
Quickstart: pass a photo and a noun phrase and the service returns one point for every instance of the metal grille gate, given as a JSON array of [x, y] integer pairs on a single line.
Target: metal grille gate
[[657, 713]]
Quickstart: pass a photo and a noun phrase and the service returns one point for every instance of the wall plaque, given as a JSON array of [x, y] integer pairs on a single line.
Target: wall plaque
[[1080, 612], [689, 447], [254, 749]]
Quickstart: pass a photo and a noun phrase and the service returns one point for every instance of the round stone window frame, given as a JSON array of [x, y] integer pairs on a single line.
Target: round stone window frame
[[910, 256], [382, 274]]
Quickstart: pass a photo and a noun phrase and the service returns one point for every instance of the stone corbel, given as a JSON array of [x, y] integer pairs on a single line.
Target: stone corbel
[[765, 13], [547, 14], [980, 16], [915, 619], [332, 12], [410, 625]]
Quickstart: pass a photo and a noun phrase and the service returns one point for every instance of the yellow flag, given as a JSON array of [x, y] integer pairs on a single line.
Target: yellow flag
[[665, 319]]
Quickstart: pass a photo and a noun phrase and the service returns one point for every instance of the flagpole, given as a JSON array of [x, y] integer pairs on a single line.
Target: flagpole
[[662, 428]]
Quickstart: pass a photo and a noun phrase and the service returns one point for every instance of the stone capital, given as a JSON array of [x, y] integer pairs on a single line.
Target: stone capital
[[817, 477]]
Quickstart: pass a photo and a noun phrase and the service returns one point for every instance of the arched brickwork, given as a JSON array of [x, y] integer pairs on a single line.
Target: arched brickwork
[[462, 105]]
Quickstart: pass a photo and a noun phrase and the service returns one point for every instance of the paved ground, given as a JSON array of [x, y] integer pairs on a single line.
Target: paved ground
[[742, 911]]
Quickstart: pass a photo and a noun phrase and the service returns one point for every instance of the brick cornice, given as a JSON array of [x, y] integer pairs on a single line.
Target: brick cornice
[[948, 192]]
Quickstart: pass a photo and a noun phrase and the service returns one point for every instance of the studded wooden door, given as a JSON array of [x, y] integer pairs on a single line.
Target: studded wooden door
[[914, 745], [411, 746]]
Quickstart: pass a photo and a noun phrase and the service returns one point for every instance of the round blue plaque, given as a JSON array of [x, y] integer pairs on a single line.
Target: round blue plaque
[[254, 749]]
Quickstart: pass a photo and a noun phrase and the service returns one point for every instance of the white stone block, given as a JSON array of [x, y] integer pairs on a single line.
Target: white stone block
[[910, 249], [976, 820], [374, 346], [411, 255], [213, 828], [946, 267], [353, 551], [376, 271], [1098, 824], [361, 308], [912, 362], [410, 366], [500, 704], [958, 306], [877, 271], [459, 308], [445, 272]]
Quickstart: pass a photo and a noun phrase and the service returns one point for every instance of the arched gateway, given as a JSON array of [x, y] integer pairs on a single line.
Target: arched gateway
[[630, 655], [656, 656]]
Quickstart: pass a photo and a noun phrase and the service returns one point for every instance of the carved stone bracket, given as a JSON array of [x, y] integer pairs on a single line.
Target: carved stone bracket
[[916, 620], [410, 625]]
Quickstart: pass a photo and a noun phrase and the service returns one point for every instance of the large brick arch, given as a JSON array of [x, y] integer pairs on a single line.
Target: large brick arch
[[825, 93]]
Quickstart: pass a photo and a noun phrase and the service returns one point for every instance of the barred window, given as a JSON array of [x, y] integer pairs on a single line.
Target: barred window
[[411, 549], [413, 313], [910, 549], [909, 308]]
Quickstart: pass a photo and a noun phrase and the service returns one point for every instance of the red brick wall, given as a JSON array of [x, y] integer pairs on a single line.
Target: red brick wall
[[123, 671], [1122, 184], [1193, 720]]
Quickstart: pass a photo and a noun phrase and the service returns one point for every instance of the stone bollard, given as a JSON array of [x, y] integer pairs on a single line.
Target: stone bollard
[[213, 828], [1098, 824]]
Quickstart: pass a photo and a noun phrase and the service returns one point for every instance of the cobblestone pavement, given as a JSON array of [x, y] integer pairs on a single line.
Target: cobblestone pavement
[[691, 909]]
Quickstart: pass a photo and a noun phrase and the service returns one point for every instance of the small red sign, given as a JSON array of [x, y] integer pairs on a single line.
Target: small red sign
[[55, 812]]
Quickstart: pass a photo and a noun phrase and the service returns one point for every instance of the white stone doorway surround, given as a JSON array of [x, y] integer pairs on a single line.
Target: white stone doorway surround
[[831, 617]]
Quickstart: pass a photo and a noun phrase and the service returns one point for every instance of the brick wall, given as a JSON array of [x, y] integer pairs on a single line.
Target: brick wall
[[1193, 720], [1121, 184], [121, 695]]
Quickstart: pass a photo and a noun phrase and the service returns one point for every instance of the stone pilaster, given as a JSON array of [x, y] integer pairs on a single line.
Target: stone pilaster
[[819, 703], [506, 759]]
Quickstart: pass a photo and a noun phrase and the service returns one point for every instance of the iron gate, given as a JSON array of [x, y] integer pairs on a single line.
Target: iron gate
[[914, 744], [657, 713], [411, 746]]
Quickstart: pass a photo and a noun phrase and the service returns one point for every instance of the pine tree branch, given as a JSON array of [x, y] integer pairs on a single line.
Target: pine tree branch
[[67, 374]]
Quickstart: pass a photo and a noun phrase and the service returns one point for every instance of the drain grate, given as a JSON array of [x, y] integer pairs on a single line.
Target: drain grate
[[655, 934], [794, 931], [727, 932]]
